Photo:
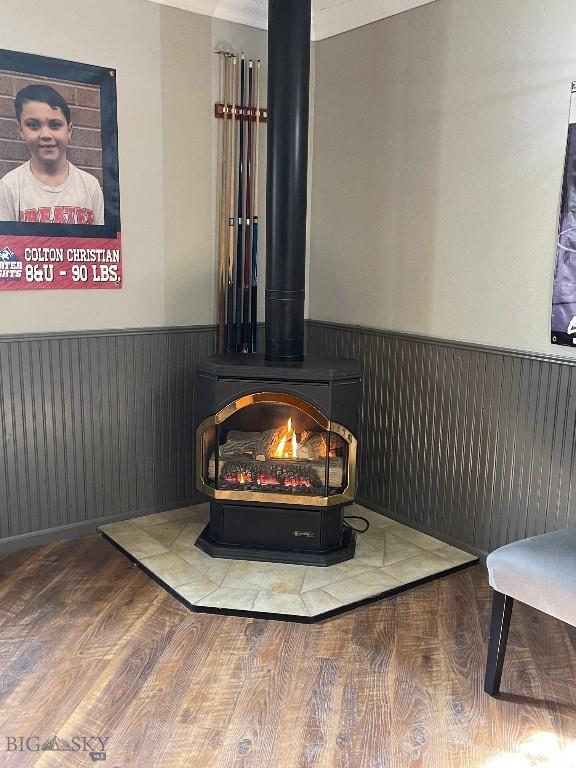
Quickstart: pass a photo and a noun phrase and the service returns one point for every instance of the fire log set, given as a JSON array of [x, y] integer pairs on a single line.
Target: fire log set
[[280, 460], [274, 478]]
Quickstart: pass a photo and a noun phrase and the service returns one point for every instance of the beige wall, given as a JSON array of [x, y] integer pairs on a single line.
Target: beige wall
[[166, 131], [186, 66], [439, 144]]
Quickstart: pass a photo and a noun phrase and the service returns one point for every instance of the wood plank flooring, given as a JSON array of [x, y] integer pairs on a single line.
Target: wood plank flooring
[[91, 647]]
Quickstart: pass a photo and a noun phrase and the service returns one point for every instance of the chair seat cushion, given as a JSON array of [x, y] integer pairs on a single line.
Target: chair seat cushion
[[540, 571]]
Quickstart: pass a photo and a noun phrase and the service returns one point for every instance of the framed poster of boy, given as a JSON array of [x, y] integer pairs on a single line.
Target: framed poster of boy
[[59, 189]]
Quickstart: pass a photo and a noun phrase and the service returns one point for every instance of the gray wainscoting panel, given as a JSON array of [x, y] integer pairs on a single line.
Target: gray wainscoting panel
[[96, 425], [475, 443]]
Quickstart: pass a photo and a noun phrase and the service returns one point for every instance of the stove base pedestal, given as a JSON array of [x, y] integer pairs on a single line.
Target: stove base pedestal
[[296, 535], [235, 552]]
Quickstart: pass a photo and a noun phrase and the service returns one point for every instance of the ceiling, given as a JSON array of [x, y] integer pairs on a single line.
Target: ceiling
[[329, 17]]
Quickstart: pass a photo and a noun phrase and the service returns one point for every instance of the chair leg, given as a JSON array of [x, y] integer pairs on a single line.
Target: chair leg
[[499, 626]]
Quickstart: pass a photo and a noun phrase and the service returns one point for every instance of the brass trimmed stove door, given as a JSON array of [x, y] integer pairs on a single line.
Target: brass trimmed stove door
[[275, 448]]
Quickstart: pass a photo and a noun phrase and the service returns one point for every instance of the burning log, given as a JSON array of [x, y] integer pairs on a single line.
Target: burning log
[[313, 445], [279, 459], [279, 443], [274, 476], [241, 472], [240, 443]]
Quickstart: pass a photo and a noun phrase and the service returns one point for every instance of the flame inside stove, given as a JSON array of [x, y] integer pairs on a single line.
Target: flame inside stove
[[287, 447]]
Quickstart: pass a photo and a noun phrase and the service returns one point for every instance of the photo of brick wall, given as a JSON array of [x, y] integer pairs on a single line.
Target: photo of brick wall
[[85, 149]]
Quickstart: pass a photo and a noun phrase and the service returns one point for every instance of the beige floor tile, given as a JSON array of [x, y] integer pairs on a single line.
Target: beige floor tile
[[453, 555], [199, 512], [372, 540], [416, 537], [172, 569], [147, 520], [317, 577], [197, 590], [273, 602], [125, 529], [129, 532], [266, 577], [382, 546], [418, 567], [213, 568], [124, 526], [225, 597], [360, 587], [318, 601], [144, 549], [138, 543], [371, 559], [187, 538], [374, 518], [167, 533], [397, 549]]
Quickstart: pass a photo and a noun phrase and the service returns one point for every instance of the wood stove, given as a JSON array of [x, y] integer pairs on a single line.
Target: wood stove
[[276, 433], [276, 455]]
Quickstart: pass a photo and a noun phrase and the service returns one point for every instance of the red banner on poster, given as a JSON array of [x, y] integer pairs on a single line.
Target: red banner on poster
[[36, 263]]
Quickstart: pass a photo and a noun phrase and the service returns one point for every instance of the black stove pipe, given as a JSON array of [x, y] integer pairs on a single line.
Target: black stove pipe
[[287, 178]]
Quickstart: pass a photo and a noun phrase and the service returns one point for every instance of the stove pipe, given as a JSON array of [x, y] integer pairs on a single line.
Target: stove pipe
[[287, 178]]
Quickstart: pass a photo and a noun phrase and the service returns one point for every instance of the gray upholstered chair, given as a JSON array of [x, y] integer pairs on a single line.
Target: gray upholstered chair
[[540, 572]]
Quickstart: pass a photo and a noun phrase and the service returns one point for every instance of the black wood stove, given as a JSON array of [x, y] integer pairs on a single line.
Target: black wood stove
[[276, 454], [276, 433]]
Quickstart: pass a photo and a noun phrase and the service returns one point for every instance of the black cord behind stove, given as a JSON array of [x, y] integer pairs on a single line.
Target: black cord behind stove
[[356, 517]]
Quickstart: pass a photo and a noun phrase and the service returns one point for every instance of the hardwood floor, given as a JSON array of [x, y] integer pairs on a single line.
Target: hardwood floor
[[91, 647]]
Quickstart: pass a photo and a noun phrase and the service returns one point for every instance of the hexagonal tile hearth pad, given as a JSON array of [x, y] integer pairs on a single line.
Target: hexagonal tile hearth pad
[[390, 557]]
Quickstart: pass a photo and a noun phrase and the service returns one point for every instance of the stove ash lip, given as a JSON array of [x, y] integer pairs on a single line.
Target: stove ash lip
[[311, 368]]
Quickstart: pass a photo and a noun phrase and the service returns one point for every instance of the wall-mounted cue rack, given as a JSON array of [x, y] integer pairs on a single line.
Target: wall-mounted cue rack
[[246, 113], [239, 158]]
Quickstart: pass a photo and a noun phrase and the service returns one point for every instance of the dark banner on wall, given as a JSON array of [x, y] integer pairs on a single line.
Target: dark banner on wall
[[564, 292], [59, 191]]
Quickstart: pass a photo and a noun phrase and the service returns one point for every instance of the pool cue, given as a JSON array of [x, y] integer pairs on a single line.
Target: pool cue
[[223, 214], [240, 238], [248, 219], [254, 297], [231, 202]]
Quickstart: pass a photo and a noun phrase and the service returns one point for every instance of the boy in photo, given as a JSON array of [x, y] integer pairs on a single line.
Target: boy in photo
[[48, 189]]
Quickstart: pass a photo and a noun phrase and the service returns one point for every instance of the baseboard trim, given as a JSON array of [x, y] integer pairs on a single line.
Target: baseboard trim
[[84, 528], [479, 553]]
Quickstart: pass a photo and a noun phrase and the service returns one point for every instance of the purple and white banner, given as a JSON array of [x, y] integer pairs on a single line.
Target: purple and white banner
[[564, 291]]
